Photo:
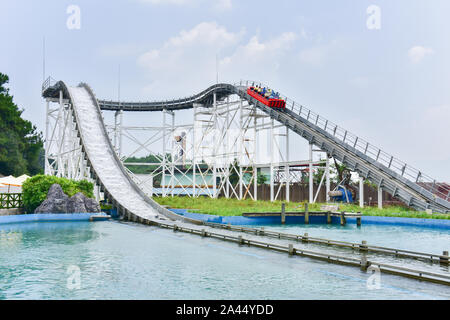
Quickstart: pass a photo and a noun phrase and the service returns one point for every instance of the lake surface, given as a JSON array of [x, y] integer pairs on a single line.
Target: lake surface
[[112, 260]]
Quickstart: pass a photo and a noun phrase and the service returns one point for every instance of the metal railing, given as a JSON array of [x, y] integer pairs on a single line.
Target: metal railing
[[48, 83], [414, 175], [11, 200]]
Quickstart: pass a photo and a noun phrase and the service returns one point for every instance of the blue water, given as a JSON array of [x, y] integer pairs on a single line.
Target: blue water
[[130, 261], [428, 240]]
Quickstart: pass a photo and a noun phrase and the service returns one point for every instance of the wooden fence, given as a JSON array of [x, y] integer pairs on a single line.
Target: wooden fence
[[11, 200], [300, 193]]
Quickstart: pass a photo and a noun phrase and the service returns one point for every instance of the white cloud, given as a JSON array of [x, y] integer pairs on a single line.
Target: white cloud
[[220, 5], [257, 60], [417, 53], [317, 55], [166, 2], [186, 63], [429, 130]]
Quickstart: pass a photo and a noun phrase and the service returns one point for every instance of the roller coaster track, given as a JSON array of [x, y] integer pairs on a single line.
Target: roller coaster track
[[396, 177]]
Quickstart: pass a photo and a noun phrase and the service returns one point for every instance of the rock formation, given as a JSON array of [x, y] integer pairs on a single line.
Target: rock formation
[[58, 202]]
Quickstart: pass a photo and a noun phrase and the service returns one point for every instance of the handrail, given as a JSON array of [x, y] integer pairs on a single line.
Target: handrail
[[49, 82], [399, 167]]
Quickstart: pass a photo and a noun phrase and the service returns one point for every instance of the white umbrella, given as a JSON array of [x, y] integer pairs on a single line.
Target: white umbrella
[[22, 178], [10, 181]]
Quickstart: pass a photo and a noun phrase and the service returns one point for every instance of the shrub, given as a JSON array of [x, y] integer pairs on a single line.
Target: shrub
[[35, 189]]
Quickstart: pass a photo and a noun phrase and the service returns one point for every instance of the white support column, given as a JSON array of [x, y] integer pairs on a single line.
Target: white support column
[[286, 167], [120, 133], [194, 152], [361, 192], [151, 186], [60, 172], [380, 198], [255, 169], [226, 148], [272, 173], [241, 148], [47, 126], [164, 157], [115, 130], [327, 183], [214, 145], [172, 160], [311, 184]]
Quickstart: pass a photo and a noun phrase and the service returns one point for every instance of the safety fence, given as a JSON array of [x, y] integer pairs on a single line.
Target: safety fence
[[11, 200]]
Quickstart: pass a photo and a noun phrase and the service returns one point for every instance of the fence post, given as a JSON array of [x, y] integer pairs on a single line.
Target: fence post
[[306, 213]]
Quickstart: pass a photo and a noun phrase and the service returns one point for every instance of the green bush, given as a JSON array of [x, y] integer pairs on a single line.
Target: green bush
[[35, 189]]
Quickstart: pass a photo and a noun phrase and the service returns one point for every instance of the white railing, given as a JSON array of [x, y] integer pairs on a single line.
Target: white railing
[[48, 83], [414, 175]]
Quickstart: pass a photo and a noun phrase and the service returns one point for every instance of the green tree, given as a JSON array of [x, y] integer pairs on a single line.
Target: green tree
[[261, 178], [20, 143]]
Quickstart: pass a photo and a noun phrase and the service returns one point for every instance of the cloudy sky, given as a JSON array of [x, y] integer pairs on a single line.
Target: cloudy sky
[[384, 75]]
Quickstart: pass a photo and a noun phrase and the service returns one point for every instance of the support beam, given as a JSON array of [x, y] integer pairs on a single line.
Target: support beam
[[327, 177], [272, 171], [311, 185], [286, 168], [361, 192], [46, 143], [194, 152], [215, 133], [164, 160], [380, 198], [255, 169]]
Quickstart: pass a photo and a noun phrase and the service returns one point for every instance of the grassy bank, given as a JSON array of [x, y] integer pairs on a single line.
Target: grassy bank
[[233, 207]]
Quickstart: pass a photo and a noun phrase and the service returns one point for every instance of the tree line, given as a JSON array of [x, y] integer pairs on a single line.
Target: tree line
[[21, 145]]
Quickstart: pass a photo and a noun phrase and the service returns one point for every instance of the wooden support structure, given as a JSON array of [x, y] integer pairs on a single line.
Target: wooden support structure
[[363, 246], [343, 219], [306, 213], [364, 263], [283, 213], [305, 237], [291, 249], [444, 259]]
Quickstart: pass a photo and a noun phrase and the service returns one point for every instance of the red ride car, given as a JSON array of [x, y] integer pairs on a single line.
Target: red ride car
[[273, 103]]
